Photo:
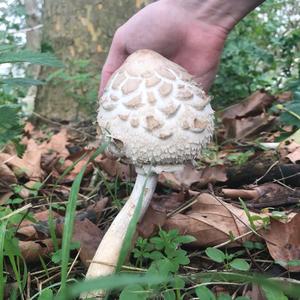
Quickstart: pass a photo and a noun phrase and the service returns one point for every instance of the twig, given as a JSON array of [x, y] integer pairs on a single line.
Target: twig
[[269, 169]]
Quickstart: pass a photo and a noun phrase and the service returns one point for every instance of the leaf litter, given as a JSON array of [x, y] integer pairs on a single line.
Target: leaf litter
[[244, 191]]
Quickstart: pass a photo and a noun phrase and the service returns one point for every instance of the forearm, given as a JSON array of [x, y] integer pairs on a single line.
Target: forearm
[[223, 13]]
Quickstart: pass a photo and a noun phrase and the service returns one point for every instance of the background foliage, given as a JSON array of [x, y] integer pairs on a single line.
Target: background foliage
[[262, 51]]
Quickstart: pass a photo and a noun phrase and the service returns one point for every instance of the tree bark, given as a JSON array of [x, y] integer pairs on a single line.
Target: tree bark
[[77, 30]]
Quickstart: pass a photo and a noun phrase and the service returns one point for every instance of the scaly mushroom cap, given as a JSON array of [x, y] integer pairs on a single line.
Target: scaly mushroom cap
[[154, 112]]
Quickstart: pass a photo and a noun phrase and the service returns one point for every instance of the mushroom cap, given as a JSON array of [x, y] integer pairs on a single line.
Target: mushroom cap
[[154, 113]]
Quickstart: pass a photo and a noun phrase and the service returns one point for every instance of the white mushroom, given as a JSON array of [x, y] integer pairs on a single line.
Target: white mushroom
[[160, 118]]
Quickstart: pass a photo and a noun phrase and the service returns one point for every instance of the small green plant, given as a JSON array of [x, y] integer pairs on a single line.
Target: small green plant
[[205, 293], [254, 219], [10, 113], [240, 158], [165, 257], [229, 260], [290, 111], [9, 248]]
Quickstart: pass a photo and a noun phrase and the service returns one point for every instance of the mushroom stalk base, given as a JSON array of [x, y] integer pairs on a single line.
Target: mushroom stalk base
[[107, 255]]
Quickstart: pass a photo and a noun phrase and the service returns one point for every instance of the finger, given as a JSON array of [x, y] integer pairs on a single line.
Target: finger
[[116, 56]]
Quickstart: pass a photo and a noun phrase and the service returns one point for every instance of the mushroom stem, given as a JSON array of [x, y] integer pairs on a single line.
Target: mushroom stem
[[107, 255]]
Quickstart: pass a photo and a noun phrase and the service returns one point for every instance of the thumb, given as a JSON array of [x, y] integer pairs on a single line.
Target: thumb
[[116, 56]]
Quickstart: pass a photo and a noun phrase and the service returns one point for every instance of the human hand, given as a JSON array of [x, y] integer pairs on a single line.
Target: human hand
[[191, 33]]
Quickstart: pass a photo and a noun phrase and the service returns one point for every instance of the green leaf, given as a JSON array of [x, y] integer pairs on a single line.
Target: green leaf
[[21, 81], [168, 295], [184, 239], [273, 294], [215, 254], [10, 125], [178, 283], [239, 264], [7, 47], [46, 294], [204, 293], [134, 292], [242, 298], [46, 59], [224, 297]]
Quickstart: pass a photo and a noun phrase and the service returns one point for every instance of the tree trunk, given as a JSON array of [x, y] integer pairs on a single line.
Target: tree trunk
[[78, 30]]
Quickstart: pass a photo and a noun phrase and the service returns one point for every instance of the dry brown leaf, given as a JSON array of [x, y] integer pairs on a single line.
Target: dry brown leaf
[[32, 159], [213, 174], [251, 106], [115, 168], [17, 165], [89, 236], [5, 197], [170, 180], [190, 175], [283, 241], [284, 97], [31, 231], [247, 127], [7, 177], [211, 221], [152, 220], [156, 214], [294, 156], [58, 143], [28, 128], [31, 251], [256, 293], [77, 168], [40, 230]]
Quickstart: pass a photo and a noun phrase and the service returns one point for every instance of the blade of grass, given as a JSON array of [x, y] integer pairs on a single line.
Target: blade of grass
[[69, 220], [52, 227], [110, 282], [131, 229], [246, 210], [289, 288], [2, 239]]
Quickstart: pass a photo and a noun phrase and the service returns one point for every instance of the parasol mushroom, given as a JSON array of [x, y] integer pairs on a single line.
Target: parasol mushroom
[[156, 117]]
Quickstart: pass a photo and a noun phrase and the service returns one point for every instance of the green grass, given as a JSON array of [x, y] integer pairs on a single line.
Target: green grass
[[69, 221]]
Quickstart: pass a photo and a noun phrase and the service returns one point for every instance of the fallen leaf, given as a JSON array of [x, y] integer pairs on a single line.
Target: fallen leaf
[[40, 229], [190, 176], [156, 214], [7, 178], [251, 106], [32, 159], [256, 293], [115, 168], [31, 251], [5, 197], [89, 236], [152, 220], [58, 143], [17, 165], [28, 128], [294, 156], [212, 222], [283, 241], [284, 97], [248, 127]]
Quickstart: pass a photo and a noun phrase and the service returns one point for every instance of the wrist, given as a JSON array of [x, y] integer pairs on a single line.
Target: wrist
[[223, 13]]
